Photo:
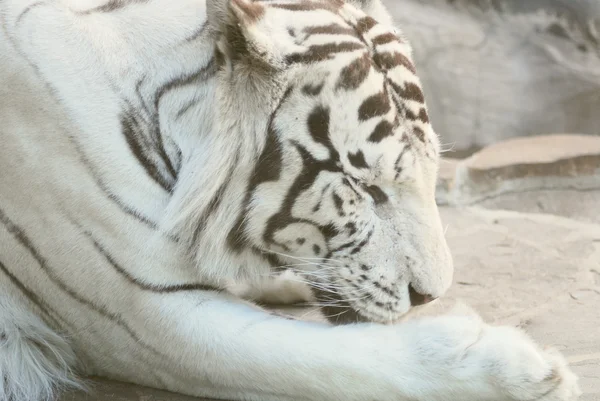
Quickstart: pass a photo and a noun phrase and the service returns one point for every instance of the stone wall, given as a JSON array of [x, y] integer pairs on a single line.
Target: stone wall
[[550, 174], [496, 69]]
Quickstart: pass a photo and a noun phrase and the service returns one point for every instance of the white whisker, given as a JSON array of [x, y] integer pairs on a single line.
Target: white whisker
[[302, 259], [443, 148]]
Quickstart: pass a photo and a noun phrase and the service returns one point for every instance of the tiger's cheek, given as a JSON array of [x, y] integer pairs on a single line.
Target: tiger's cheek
[[301, 239]]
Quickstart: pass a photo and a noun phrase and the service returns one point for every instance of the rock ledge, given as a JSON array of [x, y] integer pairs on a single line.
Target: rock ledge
[[542, 163]]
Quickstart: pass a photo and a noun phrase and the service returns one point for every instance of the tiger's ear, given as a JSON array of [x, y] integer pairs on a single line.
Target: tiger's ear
[[223, 14], [234, 23], [374, 9]]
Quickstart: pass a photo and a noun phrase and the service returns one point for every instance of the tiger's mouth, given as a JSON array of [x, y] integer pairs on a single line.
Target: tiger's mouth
[[339, 311], [336, 310]]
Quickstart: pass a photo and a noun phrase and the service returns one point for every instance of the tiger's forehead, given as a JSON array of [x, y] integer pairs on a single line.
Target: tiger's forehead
[[364, 59], [314, 22]]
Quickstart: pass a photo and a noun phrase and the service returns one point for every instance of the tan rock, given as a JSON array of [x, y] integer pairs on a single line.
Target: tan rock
[[445, 183], [541, 150], [490, 75], [580, 205], [548, 162]]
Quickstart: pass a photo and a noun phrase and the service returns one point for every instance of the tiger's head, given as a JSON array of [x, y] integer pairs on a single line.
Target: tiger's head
[[343, 185]]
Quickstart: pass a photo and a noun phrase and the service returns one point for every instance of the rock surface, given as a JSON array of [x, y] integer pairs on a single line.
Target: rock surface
[[537, 271], [523, 173], [557, 202], [491, 74]]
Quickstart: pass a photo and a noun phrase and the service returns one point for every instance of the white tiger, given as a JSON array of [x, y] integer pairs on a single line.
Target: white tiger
[[158, 155]]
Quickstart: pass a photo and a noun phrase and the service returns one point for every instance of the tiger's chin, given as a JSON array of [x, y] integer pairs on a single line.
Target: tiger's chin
[[348, 315], [339, 311]]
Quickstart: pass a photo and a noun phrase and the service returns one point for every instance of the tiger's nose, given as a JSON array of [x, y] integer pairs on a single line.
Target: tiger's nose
[[416, 298]]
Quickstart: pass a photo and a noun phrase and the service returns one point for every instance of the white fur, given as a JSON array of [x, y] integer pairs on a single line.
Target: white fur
[[35, 362], [86, 230]]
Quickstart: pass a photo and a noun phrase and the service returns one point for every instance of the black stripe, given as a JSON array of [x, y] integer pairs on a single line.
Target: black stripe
[[324, 52], [138, 144], [152, 124], [383, 288], [128, 210], [318, 205], [138, 92], [178, 159], [267, 168], [197, 33], [173, 165], [384, 39], [419, 133], [306, 6], [351, 227], [163, 288], [187, 107], [313, 89], [398, 163], [311, 168], [364, 242], [112, 5], [365, 24], [206, 72], [381, 131], [331, 29], [421, 116], [203, 74], [357, 159], [338, 203], [318, 125], [341, 248], [374, 106], [355, 73], [162, 152], [410, 91], [37, 301], [389, 60], [329, 231], [215, 202], [104, 188], [353, 184], [337, 310], [28, 9], [376, 193], [20, 236]]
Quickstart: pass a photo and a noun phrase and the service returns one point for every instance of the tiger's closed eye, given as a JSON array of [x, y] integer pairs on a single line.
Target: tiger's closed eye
[[376, 193]]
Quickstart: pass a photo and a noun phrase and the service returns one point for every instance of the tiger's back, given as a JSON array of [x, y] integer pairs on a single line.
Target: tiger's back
[[76, 205]]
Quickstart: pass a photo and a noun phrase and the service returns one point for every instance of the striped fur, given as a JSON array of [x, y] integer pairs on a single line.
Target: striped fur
[[164, 160]]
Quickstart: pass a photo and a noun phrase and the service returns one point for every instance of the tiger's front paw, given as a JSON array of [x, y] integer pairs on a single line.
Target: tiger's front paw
[[563, 381], [522, 371]]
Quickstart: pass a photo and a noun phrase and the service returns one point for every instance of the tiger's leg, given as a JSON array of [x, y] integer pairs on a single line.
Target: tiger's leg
[[216, 346], [286, 288]]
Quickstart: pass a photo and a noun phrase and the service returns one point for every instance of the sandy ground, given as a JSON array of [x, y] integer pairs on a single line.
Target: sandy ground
[[537, 271]]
